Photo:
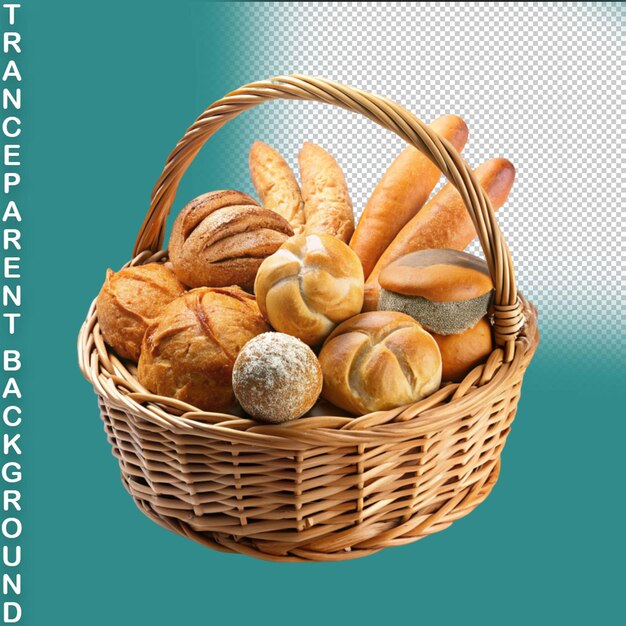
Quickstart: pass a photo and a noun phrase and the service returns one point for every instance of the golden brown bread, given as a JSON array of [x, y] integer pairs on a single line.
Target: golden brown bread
[[378, 361], [461, 352], [130, 300], [221, 238], [401, 193], [440, 282], [446, 291], [443, 222], [327, 204], [276, 184], [440, 275], [189, 351], [276, 378], [309, 285]]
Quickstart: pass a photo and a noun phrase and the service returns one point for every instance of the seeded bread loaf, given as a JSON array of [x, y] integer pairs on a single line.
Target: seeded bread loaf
[[446, 291], [276, 378]]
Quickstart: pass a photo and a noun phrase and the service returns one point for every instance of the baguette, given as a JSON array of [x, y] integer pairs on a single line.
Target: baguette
[[276, 184], [443, 222], [401, 193], [327, 204]]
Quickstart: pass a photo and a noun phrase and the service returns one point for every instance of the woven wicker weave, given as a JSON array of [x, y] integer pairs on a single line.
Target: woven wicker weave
[[320, 488]]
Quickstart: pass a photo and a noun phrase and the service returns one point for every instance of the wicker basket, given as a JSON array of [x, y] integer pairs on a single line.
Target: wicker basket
[[320, 488]]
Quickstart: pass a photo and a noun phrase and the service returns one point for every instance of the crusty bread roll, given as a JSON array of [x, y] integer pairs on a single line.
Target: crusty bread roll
[[309, 285], [461, 352], [220, 238], [327, 204], [276, 184], [443, 222], [276, 378], [130, 300], [446, 291], [378, 361], [189, 351], [401, 193]]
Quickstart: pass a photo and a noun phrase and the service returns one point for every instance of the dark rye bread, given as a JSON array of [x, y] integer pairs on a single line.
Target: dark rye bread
[[130, 300], [221, 238]]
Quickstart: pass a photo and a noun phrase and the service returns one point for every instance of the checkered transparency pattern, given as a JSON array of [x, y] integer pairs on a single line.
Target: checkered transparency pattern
[[541, 84]]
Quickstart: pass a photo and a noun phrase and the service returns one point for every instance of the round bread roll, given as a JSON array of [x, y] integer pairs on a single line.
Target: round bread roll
[[446, 291], [311, 284], [378, 361], [276, 378], [188, 353], [130, 300], [461, 352], [220, 238]]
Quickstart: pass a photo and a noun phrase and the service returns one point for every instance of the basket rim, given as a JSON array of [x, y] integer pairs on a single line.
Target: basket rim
[[115, 381]]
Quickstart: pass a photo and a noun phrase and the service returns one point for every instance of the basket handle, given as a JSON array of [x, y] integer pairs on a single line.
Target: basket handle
[[508, 310]]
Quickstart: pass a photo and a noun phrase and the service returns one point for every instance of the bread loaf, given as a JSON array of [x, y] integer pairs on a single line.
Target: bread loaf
[[461, 352], [443, 222], [378, 361], [276, 378], [309, 285], [401, 193], [446, 291], [189, 351], [276, 185], [221, 238], [327, 204], [130, 300]]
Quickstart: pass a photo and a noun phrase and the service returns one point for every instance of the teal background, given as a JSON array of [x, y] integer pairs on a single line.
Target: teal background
[[108, 91]]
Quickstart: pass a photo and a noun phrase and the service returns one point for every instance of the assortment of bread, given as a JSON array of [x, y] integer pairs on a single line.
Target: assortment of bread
[[279, 308], [443, 222]]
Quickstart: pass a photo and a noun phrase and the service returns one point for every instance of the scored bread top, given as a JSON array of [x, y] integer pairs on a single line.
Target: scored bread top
[[129, 300], [310, 284], [377, 361], [189, 351], [202, 206], [221, 238]]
